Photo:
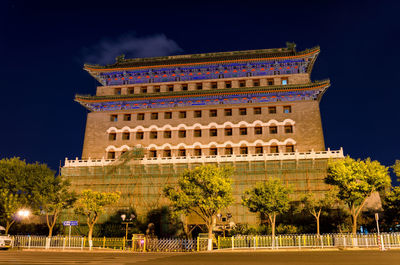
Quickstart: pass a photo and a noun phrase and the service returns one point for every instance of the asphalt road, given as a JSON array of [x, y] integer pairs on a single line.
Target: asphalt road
[[351, 257]]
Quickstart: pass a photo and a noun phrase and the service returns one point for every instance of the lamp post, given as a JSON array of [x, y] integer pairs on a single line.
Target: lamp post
[[126, 222], [224, 220], [23, 213]]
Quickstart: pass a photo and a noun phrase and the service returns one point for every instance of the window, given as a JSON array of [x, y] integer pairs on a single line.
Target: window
[[139, 135], [167, 115], [213, 132], [184, 87], [213, 113], [167, 153], [131, 91], [228, 131], [197, 152], [257, 111], [242, 111], [288, 129], [270, 82], [117, 91], [157, 89], [167, 134], [153, 153], [112, 136], [243, 131], [143, 89], [289, 148], [182, 134], [213, 151], [154, 116], [114, 117], [271, 110], [228, 112], [199, 86], [182, 152], [182, 114], [125, 136], [273, 129], [153, 135], [228, 84], [274, 149], [197, 133], [242, 83], [287, 109], [197, 113], [228, 151], [244, 150], [170, 88], [259, 150], [284, 81], [256, 82], [258, 130], [214, 85], [140, 116], [127, 117], [111, 155]]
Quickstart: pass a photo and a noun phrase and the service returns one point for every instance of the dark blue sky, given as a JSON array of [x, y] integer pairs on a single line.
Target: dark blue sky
[[43, 45]]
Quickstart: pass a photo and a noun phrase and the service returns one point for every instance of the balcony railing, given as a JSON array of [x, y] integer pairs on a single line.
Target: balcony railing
[[212, 158]]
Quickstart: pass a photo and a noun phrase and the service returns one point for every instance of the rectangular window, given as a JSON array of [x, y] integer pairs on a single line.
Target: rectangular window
[[258, 130], [242, 83], [139, 135], [213, 151], [228, 84], [284, 81], [127, 117], [143, 89], [273, 129], [213, 132], [228, 112], [257, 111], [228, 151], [213, 113], [199, 86], [287, 109], [244, 150], [197, 114], [182, 114], [197, 152], [270, 82], [259, 150], [182, 152], [140, 116], [214, 85], [184, 87], [271, 110], [228, 131], [289, 148], [170, 88], [112, 136], [153, 153], [182, 134], [111, 155], [167, 134], [157, 89], [114, 117], [242, 111], [131, 91], [167, 153], [153, 135], [243, 131], [117, 91], [256, 82], [274, 149], [197, 133], [154, 116], [288, 129], [125, 136], [168, 115]]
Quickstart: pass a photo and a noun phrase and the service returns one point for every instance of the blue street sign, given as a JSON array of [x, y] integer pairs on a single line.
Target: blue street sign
[[70, 223]]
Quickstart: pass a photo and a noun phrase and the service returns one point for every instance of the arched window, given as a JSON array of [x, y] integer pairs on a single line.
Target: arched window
[[167, 152], [273, 149], [182, 152]]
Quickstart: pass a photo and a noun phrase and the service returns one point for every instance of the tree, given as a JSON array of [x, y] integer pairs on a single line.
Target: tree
[[269, 198], [204, 191], [55, 200], [396, 169], [91, 204], [356, 181], [315, 204], [391, 207], [9, 205]]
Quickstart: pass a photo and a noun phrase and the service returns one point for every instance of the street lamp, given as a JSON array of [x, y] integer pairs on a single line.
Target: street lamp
[[126, 221], [224, 220], [23, 213]]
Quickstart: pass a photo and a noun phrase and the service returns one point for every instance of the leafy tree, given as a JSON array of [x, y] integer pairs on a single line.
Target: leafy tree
[[204, 191], [356, 181], [314, 204], [396, 169], [91, 204], [269, 198], [9, 205], [391, 206]]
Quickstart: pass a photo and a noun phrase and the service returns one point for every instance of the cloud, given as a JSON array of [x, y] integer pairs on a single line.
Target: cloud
[[132, 46]]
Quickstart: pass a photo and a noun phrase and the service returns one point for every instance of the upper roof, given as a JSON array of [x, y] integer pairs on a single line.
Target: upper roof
[[203, 58]]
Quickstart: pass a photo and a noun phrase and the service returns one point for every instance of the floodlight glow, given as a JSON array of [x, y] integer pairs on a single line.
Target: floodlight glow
[[23, 213]]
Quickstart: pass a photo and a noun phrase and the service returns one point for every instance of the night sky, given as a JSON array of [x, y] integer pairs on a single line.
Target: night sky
[[44, 44]]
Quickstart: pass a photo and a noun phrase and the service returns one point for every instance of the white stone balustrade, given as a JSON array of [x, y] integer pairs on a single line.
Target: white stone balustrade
[[213, 158]]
